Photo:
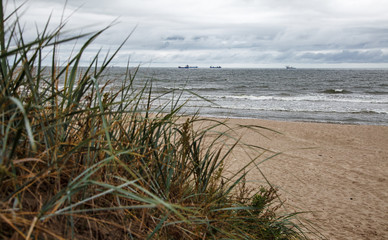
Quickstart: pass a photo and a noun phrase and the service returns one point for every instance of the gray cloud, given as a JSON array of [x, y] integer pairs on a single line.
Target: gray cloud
[[244, 32], [369, 56], [175, 38]]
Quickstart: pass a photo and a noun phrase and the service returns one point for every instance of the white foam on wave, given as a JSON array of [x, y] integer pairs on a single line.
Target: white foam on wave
[[313, 98], [301, 109]]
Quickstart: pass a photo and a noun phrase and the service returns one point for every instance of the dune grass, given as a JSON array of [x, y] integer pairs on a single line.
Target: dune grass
[[80, 162]]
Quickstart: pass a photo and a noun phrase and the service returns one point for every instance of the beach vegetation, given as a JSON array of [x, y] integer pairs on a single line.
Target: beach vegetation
[[79, 161]]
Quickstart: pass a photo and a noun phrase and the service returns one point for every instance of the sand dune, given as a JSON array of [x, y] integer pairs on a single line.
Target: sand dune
[[338, 172]]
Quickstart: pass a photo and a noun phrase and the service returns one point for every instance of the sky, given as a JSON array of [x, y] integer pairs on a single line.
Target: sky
[[229, 33]]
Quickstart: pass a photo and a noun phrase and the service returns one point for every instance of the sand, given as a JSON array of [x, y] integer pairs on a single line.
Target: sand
[[337, 173]]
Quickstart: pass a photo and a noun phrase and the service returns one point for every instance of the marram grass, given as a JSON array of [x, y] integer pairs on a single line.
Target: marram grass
[[78, 162]]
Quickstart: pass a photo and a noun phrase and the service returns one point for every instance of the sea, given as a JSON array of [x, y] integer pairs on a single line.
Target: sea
[[343, 96]]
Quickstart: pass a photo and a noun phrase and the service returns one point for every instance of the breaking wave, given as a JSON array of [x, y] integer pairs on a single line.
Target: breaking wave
[[310, 98], [336, 91]]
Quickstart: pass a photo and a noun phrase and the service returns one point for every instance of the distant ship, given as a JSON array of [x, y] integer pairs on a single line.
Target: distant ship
[[215, 66], [187, 66], [289, 68]]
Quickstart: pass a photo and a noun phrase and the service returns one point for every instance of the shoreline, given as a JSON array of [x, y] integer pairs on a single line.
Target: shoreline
[[290, 121], [335, 172]]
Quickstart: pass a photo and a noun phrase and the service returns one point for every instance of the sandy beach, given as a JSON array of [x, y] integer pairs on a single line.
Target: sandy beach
[[336, 173]]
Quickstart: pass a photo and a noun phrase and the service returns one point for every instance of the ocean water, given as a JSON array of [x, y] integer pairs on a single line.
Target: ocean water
[[315, 95]]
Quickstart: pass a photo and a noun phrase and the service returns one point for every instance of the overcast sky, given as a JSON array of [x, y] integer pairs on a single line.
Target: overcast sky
[[234, 33]]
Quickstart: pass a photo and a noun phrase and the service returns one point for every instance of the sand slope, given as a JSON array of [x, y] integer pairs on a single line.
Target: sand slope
[[338, 172]]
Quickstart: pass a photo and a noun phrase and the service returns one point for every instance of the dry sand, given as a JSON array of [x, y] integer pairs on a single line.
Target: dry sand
[[338, 172]]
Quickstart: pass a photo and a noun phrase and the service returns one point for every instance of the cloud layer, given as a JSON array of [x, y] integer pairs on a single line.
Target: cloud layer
[[232, 32]]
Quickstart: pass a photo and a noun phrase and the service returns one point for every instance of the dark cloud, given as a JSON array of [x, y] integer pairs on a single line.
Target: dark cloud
[[175, 38], [368, 56]]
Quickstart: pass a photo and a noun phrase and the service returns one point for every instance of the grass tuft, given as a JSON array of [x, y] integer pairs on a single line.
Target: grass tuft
[[80, 162]]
